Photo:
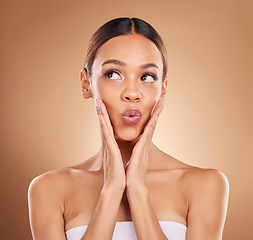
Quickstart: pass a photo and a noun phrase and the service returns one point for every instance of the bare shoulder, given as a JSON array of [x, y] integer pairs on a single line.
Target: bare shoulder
[[51, 180], [205, 178], [196, 175], [193, 178], [54, 183], [207, 192], [207, 200], [61, 182], [46, 196]]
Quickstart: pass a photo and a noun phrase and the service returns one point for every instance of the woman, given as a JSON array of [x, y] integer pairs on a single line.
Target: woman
[[130, 189]]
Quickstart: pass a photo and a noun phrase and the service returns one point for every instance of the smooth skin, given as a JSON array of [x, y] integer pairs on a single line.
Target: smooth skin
[[129, 179]]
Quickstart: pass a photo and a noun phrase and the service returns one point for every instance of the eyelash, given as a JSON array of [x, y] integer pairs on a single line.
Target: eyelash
[[151, 75], [145, 74], [110, 71]]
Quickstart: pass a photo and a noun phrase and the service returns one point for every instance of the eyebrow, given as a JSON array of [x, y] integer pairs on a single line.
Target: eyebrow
[[148, 65], [114, 61], [118, 62]]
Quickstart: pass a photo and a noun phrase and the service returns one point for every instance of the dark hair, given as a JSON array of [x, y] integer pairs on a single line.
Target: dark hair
[[123, 26]]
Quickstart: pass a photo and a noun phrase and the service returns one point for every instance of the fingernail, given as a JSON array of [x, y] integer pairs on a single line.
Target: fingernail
[[98, 108]]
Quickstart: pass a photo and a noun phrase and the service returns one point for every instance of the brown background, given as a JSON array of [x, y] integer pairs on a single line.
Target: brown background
[[45, 124]]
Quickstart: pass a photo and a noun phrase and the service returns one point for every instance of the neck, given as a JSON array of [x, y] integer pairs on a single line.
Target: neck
[[126, 149]]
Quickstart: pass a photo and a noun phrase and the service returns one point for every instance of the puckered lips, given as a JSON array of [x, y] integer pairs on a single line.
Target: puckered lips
[[131, 116]]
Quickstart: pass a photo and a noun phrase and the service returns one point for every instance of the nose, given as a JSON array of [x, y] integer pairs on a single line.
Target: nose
[[131, 93]]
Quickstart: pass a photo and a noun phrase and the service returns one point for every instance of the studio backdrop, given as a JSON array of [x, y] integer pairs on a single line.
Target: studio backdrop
[[46, 124]]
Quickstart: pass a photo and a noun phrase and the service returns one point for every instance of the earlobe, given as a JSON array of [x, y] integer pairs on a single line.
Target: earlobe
[[85, 84]]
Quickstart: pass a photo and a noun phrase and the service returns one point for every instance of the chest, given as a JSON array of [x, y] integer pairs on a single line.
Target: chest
[[166, 196]]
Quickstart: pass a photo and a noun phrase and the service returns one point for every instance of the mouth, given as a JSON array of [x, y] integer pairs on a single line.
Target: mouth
[[131, 116]]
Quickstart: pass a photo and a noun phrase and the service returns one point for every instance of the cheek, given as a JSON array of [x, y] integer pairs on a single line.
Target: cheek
[[149, 111], [106, 91], [111, 103], [110, 98]]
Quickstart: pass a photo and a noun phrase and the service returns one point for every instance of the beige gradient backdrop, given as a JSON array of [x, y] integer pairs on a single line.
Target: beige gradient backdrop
[[45, 123]]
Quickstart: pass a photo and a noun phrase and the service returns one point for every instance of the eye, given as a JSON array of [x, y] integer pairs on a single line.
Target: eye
[[147, 77], [112, 75]]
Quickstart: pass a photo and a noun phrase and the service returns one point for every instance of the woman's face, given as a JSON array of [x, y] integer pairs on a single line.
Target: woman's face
[[127, 74]]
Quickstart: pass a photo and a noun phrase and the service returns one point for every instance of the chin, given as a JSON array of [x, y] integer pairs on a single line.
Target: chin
[[128, 134]]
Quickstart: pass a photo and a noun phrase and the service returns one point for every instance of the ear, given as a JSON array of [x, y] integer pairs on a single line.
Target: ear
[[164, 87], [85, 84]]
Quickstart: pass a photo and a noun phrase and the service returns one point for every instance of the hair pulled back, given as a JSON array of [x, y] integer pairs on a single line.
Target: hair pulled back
[[123, 26]]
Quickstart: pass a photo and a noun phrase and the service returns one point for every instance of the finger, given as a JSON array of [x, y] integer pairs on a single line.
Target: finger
[[161, 101], [106, 116], [155, 119], [107, 122], [107, 137], [158, 108], [154, 115], [150, 127], [100, 122], [143, 144], [151, 133], [101, 113]]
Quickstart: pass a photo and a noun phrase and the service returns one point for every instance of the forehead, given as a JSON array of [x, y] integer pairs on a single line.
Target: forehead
[[133, 49]]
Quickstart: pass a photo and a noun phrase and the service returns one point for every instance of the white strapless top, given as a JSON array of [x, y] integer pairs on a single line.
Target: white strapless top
[[125, 231]]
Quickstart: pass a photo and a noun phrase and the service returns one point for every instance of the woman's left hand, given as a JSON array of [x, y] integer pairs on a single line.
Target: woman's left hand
[[136, 167]]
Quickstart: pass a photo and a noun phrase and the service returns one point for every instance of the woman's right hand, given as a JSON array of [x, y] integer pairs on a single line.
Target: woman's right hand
[[114, 172]]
